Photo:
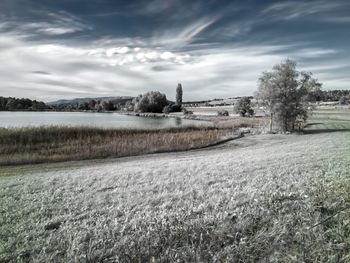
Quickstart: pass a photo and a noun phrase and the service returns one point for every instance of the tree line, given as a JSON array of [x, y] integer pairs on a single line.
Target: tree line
[[93, 105], [330, 95], [16, 104], [152, 101]]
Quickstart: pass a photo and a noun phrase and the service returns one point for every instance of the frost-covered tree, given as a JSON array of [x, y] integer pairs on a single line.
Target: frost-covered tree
[[244, 107], [179, 94], [283, 91]]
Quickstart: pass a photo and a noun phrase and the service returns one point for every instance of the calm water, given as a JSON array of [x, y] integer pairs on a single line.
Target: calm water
[[105, 120]]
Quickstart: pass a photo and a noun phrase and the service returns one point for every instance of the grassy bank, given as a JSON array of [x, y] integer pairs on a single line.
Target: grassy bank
[[53, 144]]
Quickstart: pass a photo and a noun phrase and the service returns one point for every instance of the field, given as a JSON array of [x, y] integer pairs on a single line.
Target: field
[[329, 120], [207, 110], [213, 111], [266, 198]]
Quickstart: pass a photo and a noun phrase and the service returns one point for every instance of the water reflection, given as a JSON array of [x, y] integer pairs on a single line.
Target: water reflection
[[178, 121]]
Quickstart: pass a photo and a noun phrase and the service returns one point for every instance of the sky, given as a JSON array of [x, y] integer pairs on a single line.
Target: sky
[[215, 48]]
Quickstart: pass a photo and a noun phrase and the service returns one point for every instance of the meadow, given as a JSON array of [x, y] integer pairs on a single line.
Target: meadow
[[208, 110], [263, 198], [329, 119]]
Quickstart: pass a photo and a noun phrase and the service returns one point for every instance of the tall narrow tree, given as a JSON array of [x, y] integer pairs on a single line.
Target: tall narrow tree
[[179, 94]]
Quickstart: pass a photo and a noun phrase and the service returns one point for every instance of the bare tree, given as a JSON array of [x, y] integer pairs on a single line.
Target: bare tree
[[283, 91]]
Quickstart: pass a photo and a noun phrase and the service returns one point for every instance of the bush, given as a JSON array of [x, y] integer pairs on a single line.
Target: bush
[[186, 112], [166, 109], [243, 107], [172, 108], [108, 106], [129, 106], [152, 101], [343, 100], [223, 113]]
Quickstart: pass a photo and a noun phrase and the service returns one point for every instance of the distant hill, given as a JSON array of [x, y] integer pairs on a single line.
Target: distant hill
[[120, 99]]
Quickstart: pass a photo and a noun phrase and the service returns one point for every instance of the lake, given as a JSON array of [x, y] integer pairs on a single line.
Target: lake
[[105, 120]]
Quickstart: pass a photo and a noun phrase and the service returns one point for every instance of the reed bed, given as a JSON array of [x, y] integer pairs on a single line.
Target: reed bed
[[54, 144], [259, 123]]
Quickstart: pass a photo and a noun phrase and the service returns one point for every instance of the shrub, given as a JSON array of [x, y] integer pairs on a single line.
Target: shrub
[[152, 101], [129, 106], [172, 108], [108, 106], [243, 107], [343, 100], [186, 112], [223, 113]]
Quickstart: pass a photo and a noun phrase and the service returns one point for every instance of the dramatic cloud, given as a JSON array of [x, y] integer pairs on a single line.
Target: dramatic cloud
[[67, 49]]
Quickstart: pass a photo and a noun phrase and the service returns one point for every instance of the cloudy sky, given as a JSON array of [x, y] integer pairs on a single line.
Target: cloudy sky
[[215, 48]]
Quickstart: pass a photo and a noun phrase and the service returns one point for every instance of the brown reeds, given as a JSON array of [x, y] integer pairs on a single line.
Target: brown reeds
[[54, 144]]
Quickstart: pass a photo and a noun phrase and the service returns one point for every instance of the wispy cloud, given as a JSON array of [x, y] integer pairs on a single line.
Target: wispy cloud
[[44, 23], [156, 6], [53, 28], [189, 36], [321, 10], [179, 37]]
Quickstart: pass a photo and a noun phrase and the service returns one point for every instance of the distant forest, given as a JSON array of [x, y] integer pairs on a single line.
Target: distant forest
[[329, 95], [16, 104]]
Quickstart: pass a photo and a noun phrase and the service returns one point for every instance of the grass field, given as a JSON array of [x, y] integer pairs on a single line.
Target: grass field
[[264, 198], [322, 120], [207, 110], [213, 111]]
